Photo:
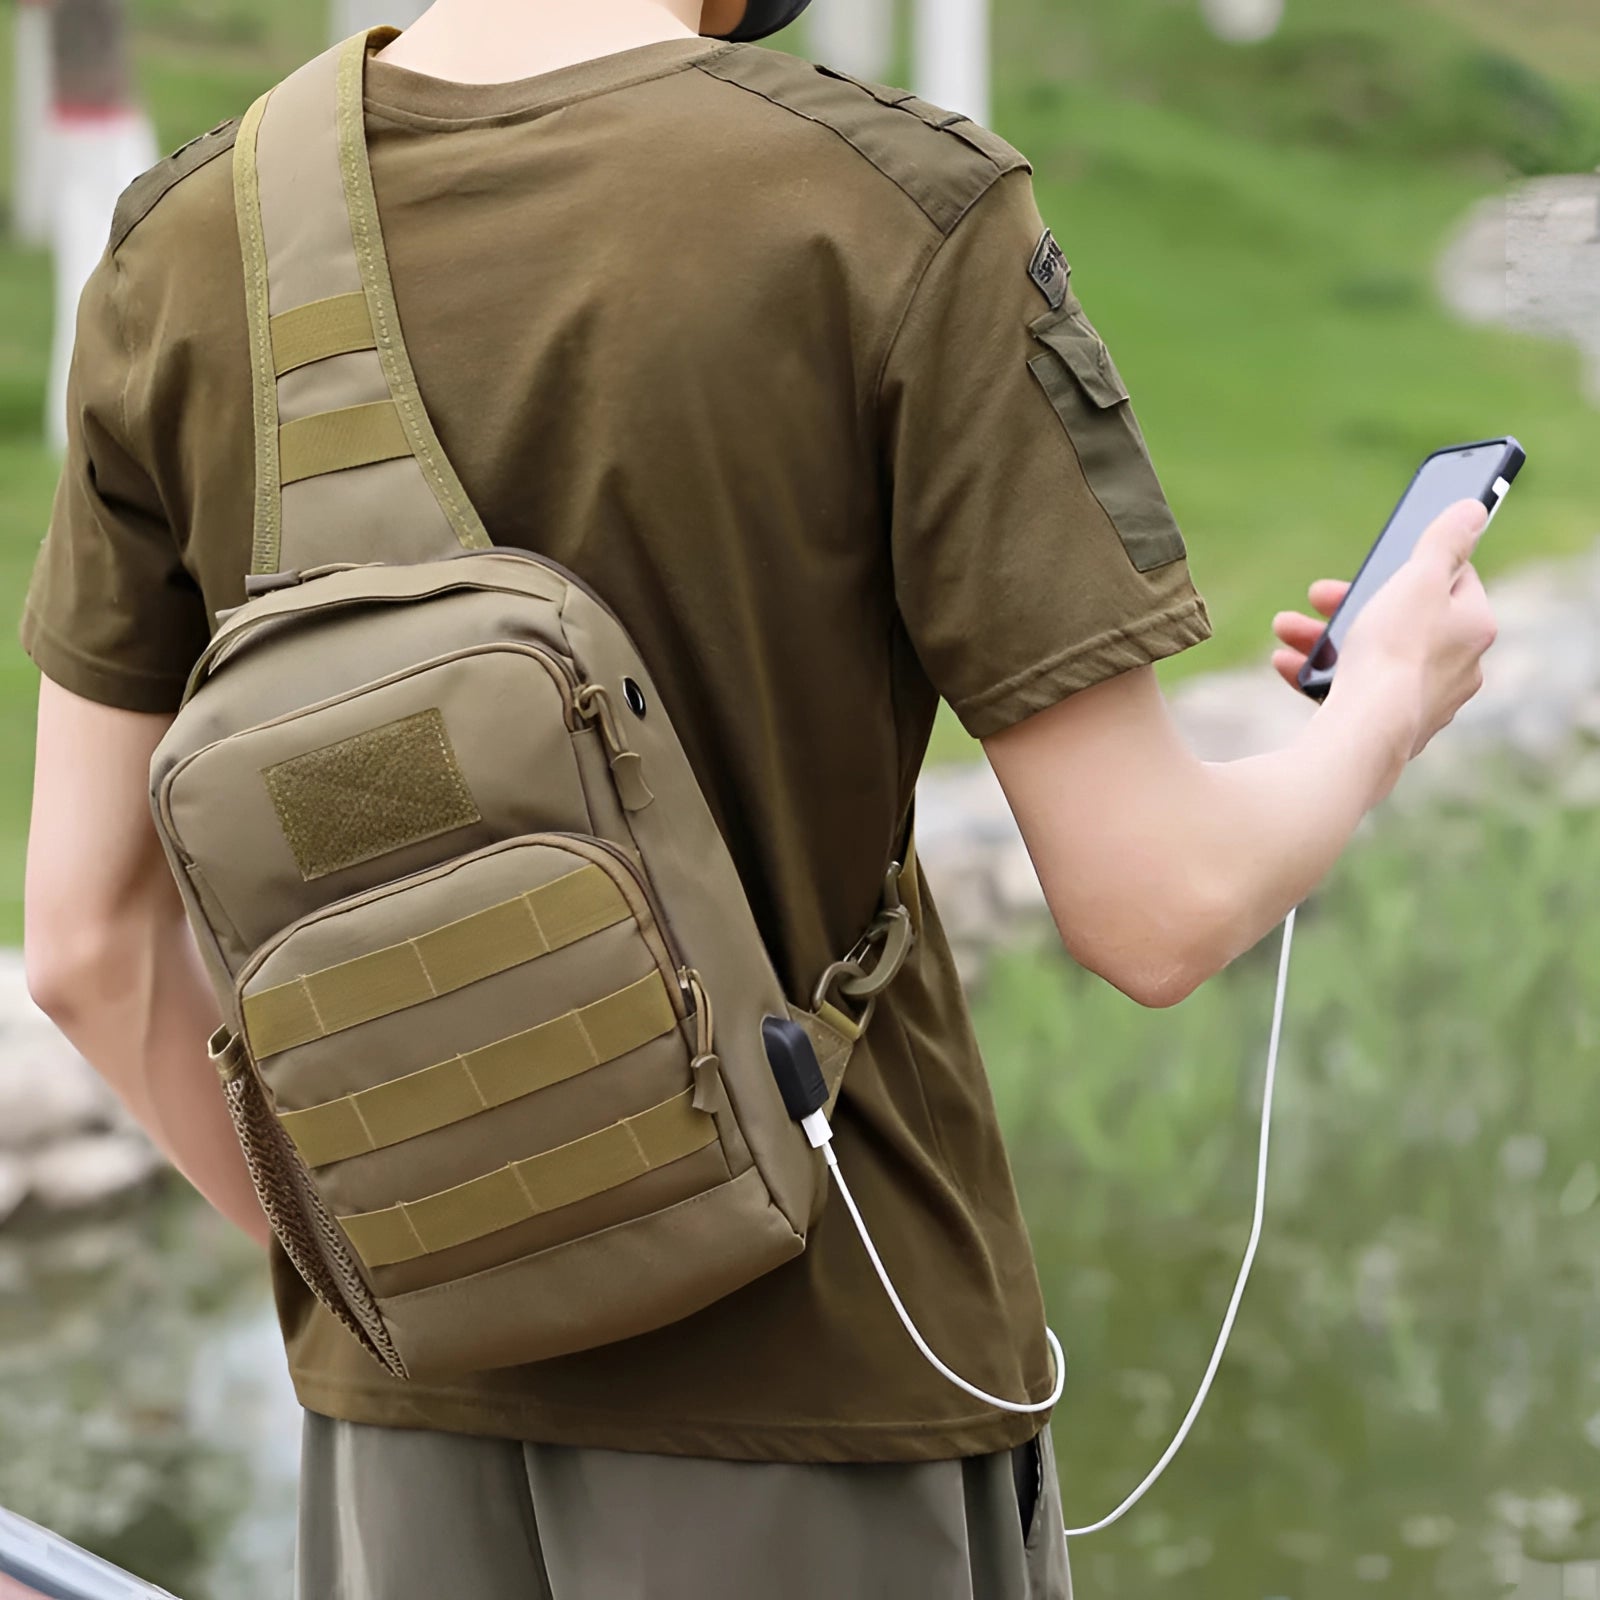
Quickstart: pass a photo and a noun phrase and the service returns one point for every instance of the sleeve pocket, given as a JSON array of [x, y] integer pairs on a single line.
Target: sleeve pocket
[[1076, 372]]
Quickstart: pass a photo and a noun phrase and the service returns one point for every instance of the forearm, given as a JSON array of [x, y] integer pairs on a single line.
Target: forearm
[[1263, 832], [141, 1013], [1160, 868]]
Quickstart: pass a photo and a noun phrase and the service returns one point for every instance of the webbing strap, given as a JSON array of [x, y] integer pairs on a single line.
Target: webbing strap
[[911, 884], [435, 963], [355, 160], [337, 326], [258, 307], [339, 416], [422, 1102], [525, 1189], [336, 441]]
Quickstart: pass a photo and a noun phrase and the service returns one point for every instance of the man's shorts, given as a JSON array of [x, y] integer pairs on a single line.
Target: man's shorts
[[390, 1514]]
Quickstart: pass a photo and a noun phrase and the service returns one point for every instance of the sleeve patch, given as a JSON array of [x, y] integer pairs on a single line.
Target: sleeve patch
[[1050, 271]]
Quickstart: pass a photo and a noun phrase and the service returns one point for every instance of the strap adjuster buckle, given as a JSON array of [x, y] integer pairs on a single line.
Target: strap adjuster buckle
[[893, 934]]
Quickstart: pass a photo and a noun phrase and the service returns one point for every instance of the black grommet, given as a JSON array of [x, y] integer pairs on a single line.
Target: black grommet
[[634, 695]]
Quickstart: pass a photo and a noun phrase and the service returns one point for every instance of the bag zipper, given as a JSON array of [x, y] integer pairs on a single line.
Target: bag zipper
[[381, 891], [647, 889], [566, 574], [223, 640], [563, 671]]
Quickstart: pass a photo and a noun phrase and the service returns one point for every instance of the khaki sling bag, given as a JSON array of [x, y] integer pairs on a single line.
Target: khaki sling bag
[[504, 1049]]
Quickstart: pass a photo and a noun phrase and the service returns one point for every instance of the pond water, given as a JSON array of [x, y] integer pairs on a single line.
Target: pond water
[[145, 1409]]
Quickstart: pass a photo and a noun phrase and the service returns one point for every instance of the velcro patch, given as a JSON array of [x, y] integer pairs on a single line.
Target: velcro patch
[[1050, 271], [356, 800]]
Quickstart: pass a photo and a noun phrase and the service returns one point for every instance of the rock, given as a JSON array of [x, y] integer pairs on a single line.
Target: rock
[[1528, 260], [972, 962], [1580, 784], [13, 1184], [959, 807], [91, 1169], [1016, 885], [1227, 716], [1587, 719], [42, 1099]]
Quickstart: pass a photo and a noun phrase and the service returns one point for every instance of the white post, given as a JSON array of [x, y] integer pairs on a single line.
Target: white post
[[1243, 21], [357, 16], [952, 55], [100, 143], [856, 36], [30, 112]]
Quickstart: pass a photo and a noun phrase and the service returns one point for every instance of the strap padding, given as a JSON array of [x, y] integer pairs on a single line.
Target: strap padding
[[313, 253], [367, 235]]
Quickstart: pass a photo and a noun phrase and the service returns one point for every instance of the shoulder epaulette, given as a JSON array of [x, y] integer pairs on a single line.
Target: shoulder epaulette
[[141, 196], [942, 160]]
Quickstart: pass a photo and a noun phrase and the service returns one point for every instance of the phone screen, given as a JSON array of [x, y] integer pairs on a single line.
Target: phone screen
[[1452, 475]]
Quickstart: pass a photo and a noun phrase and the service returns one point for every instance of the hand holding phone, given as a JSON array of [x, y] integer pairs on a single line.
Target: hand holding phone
[[1408, 635], [1483, 471]]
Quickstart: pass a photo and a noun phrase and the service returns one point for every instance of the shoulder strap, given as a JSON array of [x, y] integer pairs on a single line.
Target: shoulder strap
[[346, 455]]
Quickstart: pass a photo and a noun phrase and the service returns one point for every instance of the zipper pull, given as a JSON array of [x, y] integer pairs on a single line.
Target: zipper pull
[[710, 1093], [627, 766]]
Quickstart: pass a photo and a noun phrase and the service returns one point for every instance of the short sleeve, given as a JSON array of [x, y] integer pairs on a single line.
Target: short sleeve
[[1034, 551], [111, 614]]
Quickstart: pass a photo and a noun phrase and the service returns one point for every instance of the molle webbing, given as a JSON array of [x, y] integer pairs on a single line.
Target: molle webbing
[[339, 326], [345, 451], [432, 964], [336, 441], [480, 1080], [527, 1189]]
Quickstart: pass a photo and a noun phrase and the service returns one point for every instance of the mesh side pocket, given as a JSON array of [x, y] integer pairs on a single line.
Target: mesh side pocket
[[309, 1236]]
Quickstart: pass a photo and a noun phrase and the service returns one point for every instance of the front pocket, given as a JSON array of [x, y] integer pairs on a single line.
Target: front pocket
[[485, 1060], [615, 1283], [1076, 372], [376, 783]]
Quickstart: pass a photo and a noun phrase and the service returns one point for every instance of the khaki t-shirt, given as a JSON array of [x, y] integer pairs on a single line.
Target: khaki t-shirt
[[784, 370]]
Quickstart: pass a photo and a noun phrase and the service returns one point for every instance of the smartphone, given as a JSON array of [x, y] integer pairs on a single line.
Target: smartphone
[[1483, 471]]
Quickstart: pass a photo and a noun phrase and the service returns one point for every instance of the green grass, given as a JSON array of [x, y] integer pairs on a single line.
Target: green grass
[[1557, 37], [1254, 231], [27, 484]]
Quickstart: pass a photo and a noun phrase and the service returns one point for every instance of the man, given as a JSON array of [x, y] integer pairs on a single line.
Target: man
[[793, 374]]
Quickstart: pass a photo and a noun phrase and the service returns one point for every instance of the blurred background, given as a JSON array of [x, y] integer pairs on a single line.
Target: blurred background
[[1323, 237]]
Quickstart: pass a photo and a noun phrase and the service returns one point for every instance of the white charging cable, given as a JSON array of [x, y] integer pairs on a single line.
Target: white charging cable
[[821, 1137], [1057, 1356]]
